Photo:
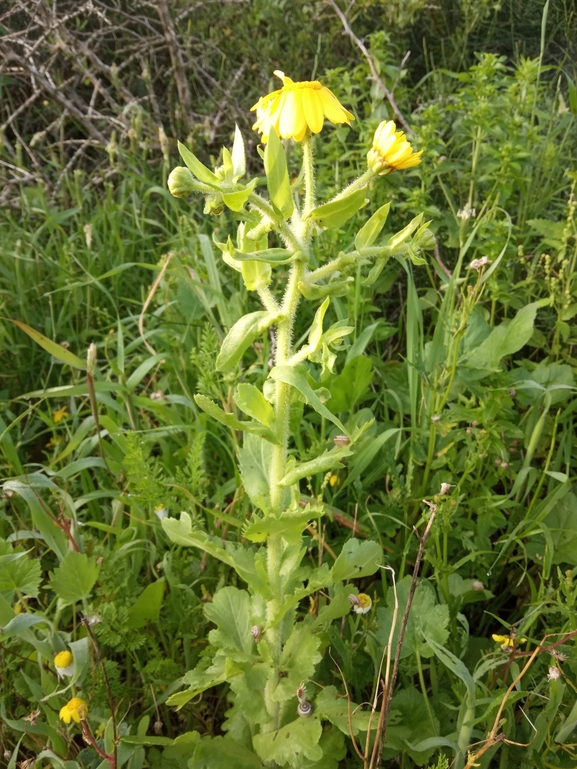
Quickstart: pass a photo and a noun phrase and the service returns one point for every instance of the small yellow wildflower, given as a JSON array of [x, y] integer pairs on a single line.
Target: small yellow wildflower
[[506, 641], [64, 663], [75, 710], [60, 414], [334, 480], [297, 108], [363, 604], [391, 151]]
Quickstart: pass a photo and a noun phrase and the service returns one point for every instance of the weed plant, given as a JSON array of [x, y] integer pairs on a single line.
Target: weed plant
[[467, 373]]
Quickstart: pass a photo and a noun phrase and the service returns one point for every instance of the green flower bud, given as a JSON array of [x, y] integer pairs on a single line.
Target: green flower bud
[[425, 240], [181, 182]]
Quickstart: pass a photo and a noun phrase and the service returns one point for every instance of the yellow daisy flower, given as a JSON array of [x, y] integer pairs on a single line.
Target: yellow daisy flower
[[75, 710], [391, 151], [363, 603], [64, 663], [60, 414], [297, 108]]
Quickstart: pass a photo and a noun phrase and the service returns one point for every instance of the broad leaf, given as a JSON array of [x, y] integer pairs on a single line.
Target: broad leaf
[[147, 606], [250, 400], [277, 177], [255, 460], [194, 165], [372, 229], [240, 337], [223, 753], [74, 579], [337, 212], [351, 384], [289, 526], [507, 338], [291, 743], [230, 611], [19, 573], [357, 559], [400, 237], [300, 656], [326, 461], [295, 377], [210, 408]]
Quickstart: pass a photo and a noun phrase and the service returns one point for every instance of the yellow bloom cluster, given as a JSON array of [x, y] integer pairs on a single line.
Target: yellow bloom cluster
[[391, 151], [506, 641], [75, 710], [297, 108]]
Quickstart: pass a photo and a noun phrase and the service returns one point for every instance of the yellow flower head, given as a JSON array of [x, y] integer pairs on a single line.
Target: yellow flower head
[[334, 480], [60, 414], [297, 108], [506, 641], [64, 663], [75, 710], [391, 151], [363, 604]]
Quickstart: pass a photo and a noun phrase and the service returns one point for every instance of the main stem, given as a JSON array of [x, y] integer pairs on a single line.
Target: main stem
[[278, 493]]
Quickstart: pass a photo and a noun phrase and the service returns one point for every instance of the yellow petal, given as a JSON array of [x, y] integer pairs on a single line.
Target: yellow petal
[[288, 115], [332, 108], [313, 110]]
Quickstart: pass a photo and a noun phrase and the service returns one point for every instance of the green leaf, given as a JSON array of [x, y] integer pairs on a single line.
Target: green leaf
[[181, 532], [337, 212], [357, 559], [572, 90], [255, 459], [238, 154], [210, 408], [372, 229], [400, 237], [22, 622], [339, 606], [147, 606], [202, 678], [230, 611], [194, 165], [59, 352], [223, 753], [277, 177], [351, 384], [250, 400], [334, 708], [240, 337], [299, 658], [507, 338], [316, 291], [457, 666], [237, 199], [289, 525], [291, 743], [326, 461], [74, 579], [428, 621], [295, 377], [19, 573], [268, 255]]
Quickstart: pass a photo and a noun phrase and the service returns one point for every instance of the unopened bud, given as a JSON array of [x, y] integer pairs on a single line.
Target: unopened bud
[[91, 359], [425, 240], [181, 182], [477, 585]]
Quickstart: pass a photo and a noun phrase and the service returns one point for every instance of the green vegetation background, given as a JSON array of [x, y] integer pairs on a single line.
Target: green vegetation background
[[90, 121]]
